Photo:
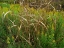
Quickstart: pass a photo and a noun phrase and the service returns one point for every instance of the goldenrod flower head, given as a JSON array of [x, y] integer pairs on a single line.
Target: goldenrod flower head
[[53, 41], [52, 26], [12, 37], [45, 34], [8, 40], [52, 34]]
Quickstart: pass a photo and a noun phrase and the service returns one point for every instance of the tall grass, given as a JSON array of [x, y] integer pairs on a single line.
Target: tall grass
[[24, 27]]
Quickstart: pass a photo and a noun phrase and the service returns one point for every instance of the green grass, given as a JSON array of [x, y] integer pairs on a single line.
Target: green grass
[[22, 27]]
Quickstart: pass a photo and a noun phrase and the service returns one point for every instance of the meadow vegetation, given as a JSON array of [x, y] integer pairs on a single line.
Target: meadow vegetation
[[25, 27]]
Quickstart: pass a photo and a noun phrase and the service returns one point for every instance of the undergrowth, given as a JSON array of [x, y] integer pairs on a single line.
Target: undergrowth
[[24, 27]]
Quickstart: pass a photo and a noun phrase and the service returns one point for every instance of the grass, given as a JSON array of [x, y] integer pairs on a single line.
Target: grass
[[24, 27]]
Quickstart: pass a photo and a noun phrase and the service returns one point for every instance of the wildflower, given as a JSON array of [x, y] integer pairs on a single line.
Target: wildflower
[[45, 34], [53, 41], [52, 34], [8, 40], [12, 37], [52, 27]]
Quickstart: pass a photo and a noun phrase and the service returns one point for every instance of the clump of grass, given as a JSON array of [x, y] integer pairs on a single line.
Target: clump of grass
[[32, 28]]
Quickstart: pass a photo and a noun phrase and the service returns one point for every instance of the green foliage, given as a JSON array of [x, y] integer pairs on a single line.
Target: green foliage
[[24, 27]]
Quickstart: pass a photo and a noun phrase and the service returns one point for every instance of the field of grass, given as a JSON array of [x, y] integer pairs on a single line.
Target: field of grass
[[24, 27]]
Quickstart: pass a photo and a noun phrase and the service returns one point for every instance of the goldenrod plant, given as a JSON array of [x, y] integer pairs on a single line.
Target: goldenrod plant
[[25, 27]]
